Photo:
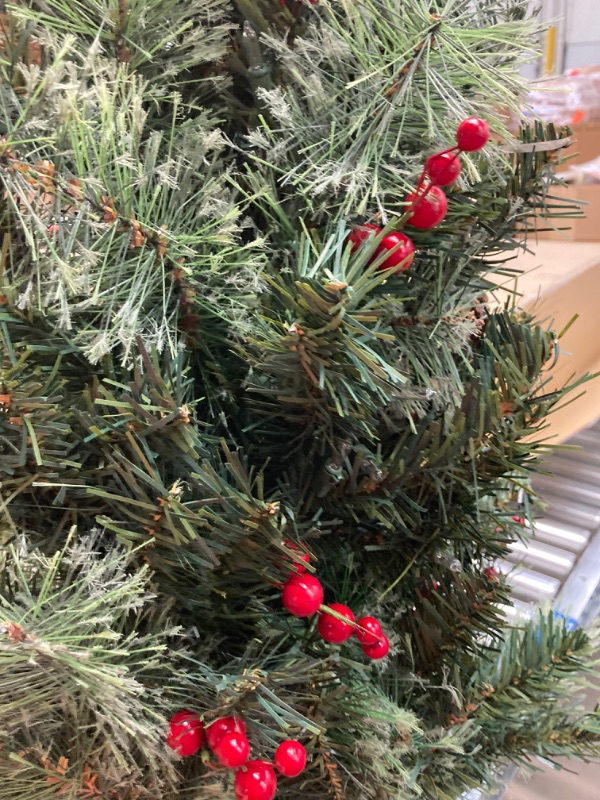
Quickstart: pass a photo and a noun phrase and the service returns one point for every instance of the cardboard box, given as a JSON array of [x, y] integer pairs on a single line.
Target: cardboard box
[[585, 228], [572, 99], [586, 143], [562, 280]]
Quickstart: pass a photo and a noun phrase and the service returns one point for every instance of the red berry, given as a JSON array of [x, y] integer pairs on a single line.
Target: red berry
[[290, 758], [371, 630], [472, 134], [378, 650], [491, 573], [233, 750], [186, 733], [429, 208], [302, 595], [335, 630], [361, 234], [255, 781], [300, 556], [426, 591], [218, 729], [403, 254], [443, 168]]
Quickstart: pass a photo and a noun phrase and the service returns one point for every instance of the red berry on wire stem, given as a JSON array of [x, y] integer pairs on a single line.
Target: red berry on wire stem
[[290, 758], [186, 733], [299, 558], [217, 730], [402, 251], [255, 781], [302, 595], [443, 168], [335, 630], [491, 573], [368, 631], [378, 650], [472, 134], [233, 750], [428, 208], [361, 233]]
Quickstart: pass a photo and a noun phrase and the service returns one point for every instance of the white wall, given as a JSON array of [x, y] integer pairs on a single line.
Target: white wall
[[582, 33], [578, 24]]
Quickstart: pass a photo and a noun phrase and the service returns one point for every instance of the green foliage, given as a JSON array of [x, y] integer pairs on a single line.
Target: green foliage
[[77, 670], [360, 94], [197, 373], [164, 39], [86, 200], [540, 670]]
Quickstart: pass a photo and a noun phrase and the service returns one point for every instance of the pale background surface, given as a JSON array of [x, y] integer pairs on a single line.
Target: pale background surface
[[563, 279], [553, 785], [578, 28], [567, 281], [561, 785]]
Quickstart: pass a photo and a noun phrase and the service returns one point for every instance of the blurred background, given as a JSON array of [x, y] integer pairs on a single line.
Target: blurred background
[[561, 562], [577, 33]]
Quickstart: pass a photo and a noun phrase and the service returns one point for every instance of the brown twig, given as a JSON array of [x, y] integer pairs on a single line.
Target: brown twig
[[122, 48], [188, 319], [44, 183], [332, 773], [406, 69], [13, 631]]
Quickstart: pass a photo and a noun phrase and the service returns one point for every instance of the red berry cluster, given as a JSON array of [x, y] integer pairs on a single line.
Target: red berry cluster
[[254, 780], [227, 739], [257, 780], [303, 596], [427, 205]]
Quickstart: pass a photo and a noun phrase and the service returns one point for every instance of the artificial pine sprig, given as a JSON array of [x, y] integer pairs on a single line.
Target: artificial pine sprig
[[205, 362]]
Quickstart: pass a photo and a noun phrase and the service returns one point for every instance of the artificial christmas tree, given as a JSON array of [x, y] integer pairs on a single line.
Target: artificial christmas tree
[[232, 427]]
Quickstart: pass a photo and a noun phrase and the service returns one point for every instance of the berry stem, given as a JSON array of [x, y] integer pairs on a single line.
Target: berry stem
[[418, 197], [454, 149]]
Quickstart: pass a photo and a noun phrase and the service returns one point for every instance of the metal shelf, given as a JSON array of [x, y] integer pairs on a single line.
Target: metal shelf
[[560, 564]]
